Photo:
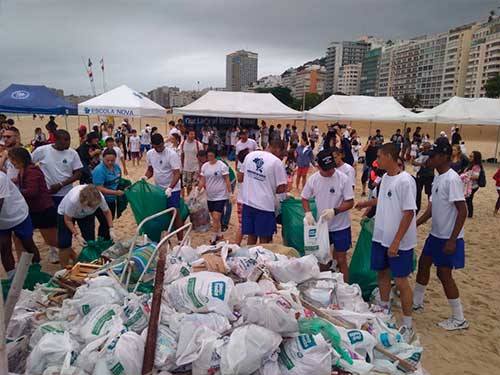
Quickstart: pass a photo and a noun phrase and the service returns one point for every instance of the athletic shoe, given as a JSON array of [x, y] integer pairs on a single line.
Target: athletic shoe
[[407, 334], [452, 324], [419, 309], [53, 256]]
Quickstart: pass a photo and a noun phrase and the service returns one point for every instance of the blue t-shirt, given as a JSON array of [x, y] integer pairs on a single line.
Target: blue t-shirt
[[305, 156], [287, 134], [102, 176]]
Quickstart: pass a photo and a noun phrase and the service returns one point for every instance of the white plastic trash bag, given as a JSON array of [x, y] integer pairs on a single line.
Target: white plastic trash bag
[[124, 354], [317, 240], [209, 358], [247, 349], [192, 340], [198, 210], [202, 292], [99, 322], [166, 347], [297, 270], [137, 312], [52, 350], [47, 327], [86, 299], [358, 341], [304, 355]]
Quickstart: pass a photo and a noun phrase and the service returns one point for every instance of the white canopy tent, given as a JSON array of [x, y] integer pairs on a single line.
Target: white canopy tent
[[360, 108], [239, 105], [121, 101]]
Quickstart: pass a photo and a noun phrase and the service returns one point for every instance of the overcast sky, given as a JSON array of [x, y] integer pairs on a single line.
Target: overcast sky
[[146, 44]]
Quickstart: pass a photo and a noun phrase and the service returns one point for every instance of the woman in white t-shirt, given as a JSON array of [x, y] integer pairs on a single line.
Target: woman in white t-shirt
[[215, 180], [79, 205]]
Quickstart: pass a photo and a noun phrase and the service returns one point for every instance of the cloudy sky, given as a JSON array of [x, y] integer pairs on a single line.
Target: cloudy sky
[[149, 43]]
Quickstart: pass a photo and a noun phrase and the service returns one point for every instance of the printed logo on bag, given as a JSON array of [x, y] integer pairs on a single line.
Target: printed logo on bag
[[355, 336], [306, 341], [313, 232], [219, 290], [259, 163]]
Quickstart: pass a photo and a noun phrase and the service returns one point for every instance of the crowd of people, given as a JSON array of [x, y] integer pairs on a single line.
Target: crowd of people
[[38, 191]]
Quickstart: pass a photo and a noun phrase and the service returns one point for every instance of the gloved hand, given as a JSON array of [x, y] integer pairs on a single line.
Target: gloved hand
[[144, 178], [168, 192], [328, 214], [200, 190], [112, 234], [309, 218], [79, 239]]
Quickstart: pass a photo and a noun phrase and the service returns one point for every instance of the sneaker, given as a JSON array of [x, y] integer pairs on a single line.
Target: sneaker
[[216, 239], [407, 334], [419, 309], [53, 256], [452, 324]]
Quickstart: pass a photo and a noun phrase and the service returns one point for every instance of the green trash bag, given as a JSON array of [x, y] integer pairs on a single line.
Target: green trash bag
[[93, 250], [146, 200], [360, 271], [121, 201], [35, 276], [292, 219]]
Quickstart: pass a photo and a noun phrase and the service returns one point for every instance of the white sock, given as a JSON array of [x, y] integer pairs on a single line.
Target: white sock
[[456, 309], [407, 321], [418, 294], [385, 304]]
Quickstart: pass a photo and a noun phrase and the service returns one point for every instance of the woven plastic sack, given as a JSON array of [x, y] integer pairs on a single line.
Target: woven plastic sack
[[360, 271], [147, 200], [34, 276], [93, 250], [292, 218]]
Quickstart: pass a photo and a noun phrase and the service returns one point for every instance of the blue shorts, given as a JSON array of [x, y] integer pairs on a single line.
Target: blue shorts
[[341, 240], [257, 222], [23, 230], [400, 266], [174, 200], [434, 248], [145, 148], [217, 206]]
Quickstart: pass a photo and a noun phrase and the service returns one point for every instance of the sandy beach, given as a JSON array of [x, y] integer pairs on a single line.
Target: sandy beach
[[473, 351]]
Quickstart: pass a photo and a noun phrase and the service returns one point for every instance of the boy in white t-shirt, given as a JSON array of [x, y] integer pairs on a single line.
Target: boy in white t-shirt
[[444, 246], [334, 197], [395, 233], [245, 142], [342, 166], [135, 148]]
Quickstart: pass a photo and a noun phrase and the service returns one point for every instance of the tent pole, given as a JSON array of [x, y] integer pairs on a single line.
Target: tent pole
[[88, 121], [496, 147], [370, 129], [435, 129], [140, 123], [66, 122]]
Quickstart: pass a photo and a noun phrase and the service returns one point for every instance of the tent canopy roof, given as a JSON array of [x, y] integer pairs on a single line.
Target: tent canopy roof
[[464, 111], [34, 99], [240, 105], [121, 101], [360, 108]]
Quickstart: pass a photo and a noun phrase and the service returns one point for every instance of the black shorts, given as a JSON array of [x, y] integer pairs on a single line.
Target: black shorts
[[44, 219], [217, 206]]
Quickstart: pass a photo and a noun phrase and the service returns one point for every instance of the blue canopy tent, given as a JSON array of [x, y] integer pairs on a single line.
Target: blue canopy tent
[[34, 99]]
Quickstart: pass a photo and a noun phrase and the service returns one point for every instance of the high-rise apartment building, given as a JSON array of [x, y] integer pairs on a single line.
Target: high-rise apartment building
[[349, 79], [309, 79], [339, 54], [484, 58], [241, 70], [368, 84]]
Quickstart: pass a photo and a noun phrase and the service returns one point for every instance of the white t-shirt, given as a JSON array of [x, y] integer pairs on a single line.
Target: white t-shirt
[[174, 131], [190, 149], [349, 171], [214, 178], [234, 138], [250, 144], [14, 209], [330, 192], [447, 189], [397, 194], [57, 166], [12, 172], [135, 144], [164, 164], [263, 173], [241, 189], [70, 205], [146, 137]]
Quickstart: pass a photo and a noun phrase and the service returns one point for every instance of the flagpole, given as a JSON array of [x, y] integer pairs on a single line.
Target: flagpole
[[103, 76], [92, 87]]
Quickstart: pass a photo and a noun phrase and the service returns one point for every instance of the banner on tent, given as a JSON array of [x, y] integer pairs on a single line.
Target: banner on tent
[[219, 122], [108, 111]]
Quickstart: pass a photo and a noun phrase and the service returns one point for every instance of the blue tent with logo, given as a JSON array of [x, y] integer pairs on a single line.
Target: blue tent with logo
[[34, 99]]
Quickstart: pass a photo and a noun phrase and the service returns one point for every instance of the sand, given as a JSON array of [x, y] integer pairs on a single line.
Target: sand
[[473, 351]]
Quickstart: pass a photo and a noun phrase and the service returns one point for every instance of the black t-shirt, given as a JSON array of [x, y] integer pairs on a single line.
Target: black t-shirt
[[456, 138], [370, 155]]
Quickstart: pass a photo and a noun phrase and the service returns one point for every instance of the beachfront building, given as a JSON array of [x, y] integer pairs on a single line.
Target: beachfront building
[[349, 79], [309, 79], [241, 70], [268, 82], [368, 84], [484, 58]]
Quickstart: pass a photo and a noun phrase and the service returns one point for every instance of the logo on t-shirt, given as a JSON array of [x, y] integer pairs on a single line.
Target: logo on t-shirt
[[259, 163], [437, 189], [65, 161], [332, 190], [161, 161], [389, 193]]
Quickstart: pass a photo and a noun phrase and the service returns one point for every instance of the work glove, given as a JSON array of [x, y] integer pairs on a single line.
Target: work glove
[[328, 214], [168, 192], [144, 178], [79, 239], [112, 235], [309, 218]]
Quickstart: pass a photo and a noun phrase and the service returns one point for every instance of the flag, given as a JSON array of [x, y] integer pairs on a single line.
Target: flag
[[90, 63], [102, 64], [91, 76]]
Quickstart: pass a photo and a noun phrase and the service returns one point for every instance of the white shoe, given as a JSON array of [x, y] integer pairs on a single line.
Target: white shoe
[[419, 309], [407, 334], [452, 324], [53, 256]]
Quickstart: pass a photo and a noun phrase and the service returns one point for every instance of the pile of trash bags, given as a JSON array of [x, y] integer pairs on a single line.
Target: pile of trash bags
[[225, 310]]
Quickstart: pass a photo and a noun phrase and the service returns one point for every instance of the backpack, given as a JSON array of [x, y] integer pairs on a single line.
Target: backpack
[[481, 182]]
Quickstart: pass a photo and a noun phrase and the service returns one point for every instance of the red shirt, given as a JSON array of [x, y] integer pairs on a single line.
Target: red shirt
[[34, 189], [496, 177]]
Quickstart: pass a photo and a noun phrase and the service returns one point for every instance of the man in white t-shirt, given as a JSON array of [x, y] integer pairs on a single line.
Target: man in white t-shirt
[[173, 129], [342, 166], [145, 140], [60, 164], [14, 217], [110, 143], [234, 137], [263, 176], [395, 232], [189, 158], [444, 246], [165, 166], [135, 147], [334, 197], [245, 142]]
